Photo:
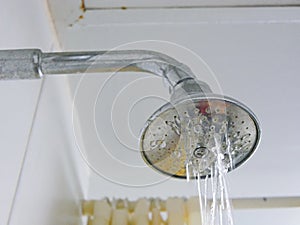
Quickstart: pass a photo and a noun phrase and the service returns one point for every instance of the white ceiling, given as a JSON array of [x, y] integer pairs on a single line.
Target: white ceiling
[[116, 4], [254, 53]]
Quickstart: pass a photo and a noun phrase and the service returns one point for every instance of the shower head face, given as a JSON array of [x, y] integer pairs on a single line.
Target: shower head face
[[197, 130]]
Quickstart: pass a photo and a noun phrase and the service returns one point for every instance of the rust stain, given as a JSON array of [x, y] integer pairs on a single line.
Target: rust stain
[[80, 17], [82, 6], [123, 7]]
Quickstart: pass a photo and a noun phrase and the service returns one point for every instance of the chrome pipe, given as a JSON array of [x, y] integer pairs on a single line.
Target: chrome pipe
[[33, 64]]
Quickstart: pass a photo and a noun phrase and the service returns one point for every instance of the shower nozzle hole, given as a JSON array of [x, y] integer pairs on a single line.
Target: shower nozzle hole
[[200, 153]]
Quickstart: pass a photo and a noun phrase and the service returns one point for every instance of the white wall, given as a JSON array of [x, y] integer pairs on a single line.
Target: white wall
[[54, 177], [23, 24]]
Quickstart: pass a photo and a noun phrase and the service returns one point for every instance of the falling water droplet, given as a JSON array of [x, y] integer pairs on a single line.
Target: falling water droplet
[[163, 144], [176, 154], [198, 129], [153, 144]]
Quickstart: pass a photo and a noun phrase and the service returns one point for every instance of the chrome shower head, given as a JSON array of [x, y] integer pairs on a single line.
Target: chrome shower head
[[192, 130], [196, 128]]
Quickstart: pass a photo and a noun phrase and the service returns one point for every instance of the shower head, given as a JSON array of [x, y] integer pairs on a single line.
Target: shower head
[[196, 128]]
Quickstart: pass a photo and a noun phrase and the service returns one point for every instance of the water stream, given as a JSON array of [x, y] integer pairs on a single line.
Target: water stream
[[215, 210], [209, 159], [215, 204]]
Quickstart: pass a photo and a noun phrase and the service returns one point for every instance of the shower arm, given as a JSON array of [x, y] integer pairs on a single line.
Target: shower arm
[[34, 64]]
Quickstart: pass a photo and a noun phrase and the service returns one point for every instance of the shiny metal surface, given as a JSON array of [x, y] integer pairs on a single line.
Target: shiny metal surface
[[20, 64], [178, 134], [32, 63], [185, 132]]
